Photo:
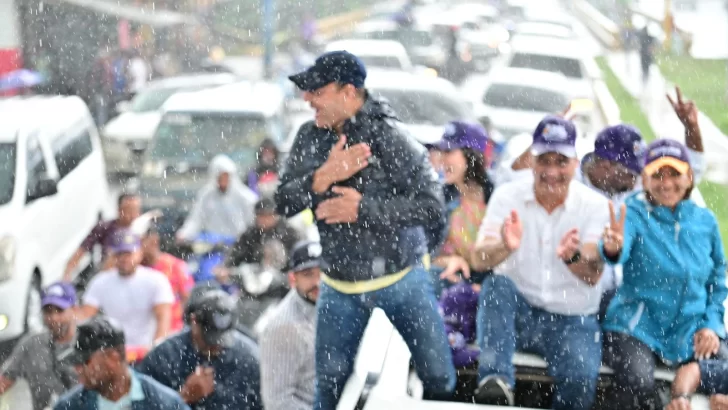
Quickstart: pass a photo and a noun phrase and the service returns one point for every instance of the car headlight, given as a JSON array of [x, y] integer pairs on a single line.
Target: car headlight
[[8, 251]]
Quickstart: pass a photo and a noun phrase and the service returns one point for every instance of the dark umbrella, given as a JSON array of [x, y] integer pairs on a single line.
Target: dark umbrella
[[22, 78]]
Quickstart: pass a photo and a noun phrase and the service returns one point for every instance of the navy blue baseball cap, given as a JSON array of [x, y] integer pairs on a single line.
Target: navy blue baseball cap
[[623, 144], [335, 66], [554, 134]]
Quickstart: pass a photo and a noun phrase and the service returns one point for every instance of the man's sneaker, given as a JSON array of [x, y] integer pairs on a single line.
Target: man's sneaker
[[494, 390]]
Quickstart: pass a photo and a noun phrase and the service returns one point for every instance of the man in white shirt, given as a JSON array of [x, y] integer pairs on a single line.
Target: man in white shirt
[[540, 237], [139, 298]]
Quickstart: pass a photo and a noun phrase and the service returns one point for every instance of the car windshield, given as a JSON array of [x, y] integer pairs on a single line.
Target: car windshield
[[518, 97], [423, 107], [152, 99], [196, 138], [569, 67], [381, 61], [7, 171]]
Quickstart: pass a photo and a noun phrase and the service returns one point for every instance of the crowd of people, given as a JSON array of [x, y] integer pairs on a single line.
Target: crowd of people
[[604, 259]]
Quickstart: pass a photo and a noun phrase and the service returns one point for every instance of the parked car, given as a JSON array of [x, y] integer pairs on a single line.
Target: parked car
[[385, 54], [422, 46], [568, 57], [53, 191], [423, 104], [516, 99], [127, 136]]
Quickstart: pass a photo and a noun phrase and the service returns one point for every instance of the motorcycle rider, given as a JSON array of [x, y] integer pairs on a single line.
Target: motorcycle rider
[[287, 343], [35, 357], [379, 210], [210, 363], [266, 169], [255, 244], [173, 268], [106, 379], [147, 319], [130, 206], [223, 207]]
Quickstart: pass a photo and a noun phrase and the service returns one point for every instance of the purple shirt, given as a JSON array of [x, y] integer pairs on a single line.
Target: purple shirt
[[102, 234]]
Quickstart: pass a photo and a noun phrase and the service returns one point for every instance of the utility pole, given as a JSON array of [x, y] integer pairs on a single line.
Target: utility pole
[[269, 25], [668, 25]]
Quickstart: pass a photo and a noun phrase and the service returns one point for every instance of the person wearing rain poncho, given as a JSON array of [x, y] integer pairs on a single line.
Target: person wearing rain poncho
[[670, 307], [223, 207]]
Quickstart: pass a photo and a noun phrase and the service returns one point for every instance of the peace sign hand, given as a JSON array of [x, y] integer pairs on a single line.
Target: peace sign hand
[[686, 110], [614, 232]]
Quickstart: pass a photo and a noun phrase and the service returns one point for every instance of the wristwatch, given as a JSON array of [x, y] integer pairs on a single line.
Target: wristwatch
[[682, 396], [574, 259]]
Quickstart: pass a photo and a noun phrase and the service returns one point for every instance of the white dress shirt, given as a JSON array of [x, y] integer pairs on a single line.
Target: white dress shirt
[[540, 275]]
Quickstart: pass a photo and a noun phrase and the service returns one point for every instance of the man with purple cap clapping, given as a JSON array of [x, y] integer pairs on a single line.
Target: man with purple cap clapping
[[540, 238], [36, 357]]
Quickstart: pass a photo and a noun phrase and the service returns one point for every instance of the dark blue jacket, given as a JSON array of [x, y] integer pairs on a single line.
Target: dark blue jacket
[[156, 397], [401, 215], [237, 371]]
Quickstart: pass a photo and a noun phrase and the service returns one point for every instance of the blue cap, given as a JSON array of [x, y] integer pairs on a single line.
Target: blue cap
[[461, 135], [623, 144], [335, 66], [60, 294], [554, 134], [125, 241]]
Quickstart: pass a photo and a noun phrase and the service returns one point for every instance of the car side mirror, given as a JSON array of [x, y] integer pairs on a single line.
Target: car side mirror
[[44, 187]]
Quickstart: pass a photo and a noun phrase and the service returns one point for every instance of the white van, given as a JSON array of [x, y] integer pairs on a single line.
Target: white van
[[53, 191]]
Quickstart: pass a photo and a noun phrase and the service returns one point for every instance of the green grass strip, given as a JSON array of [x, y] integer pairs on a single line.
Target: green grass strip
[[703, 81]]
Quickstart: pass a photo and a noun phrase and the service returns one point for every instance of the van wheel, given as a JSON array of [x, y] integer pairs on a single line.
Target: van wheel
[[33, 309]]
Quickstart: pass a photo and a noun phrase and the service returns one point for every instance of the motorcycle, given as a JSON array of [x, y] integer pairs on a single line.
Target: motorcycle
[[260, 286], [205, 253]]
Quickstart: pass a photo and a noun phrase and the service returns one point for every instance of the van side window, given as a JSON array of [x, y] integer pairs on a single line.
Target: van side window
[[35, 164], [70, 150]]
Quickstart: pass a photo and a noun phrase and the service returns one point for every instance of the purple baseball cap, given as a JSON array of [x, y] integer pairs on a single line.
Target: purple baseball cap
[[60, 294], [125, 241], [462, 135], [622, 144], [554, 134], [664, 152]]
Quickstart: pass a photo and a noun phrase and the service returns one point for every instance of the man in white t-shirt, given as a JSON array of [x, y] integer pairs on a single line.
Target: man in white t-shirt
[[540, 236], [139, 298]]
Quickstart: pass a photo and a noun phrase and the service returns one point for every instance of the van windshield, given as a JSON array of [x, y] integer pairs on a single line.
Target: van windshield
[[196, 138], [7, 172]]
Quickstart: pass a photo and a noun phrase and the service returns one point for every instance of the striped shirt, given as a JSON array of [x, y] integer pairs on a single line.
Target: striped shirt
[[287, 367]]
